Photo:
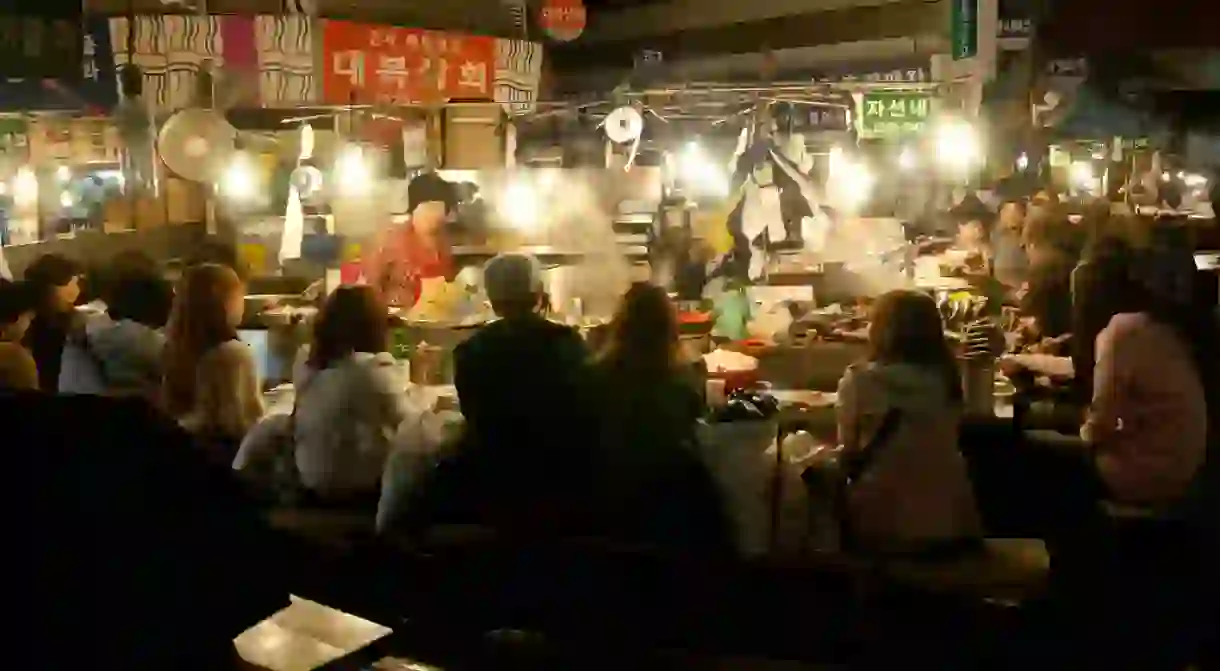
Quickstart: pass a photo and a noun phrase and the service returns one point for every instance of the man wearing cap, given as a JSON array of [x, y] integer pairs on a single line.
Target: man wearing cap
[[409, 253], [522, 358], [526, 464]]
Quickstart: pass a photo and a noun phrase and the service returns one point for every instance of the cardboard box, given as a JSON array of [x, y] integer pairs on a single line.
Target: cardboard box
[[473, 137]]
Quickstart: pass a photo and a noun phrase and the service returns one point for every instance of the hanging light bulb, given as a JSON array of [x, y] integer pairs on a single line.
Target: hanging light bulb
[[239, 179], [352, 172], [25, 187]]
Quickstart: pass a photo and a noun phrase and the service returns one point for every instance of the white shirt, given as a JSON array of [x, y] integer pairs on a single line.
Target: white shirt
[[346, 418]]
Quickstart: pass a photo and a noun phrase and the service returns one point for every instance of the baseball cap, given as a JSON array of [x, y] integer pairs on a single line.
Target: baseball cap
[[512, 277]]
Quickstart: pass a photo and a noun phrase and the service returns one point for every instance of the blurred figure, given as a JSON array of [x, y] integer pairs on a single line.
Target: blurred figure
[[974, 220], [1047, 300], [522, 357], [1105, 267], [17, 367], [1010, 265], [350, 398], [1156, 369], [418, 250], [55, 280], [120, 352], [211, 381], [527, 462], [656, 490], [127, 543], [898, 415]]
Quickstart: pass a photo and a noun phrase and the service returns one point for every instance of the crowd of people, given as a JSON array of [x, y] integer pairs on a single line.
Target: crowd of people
[[559, 441]]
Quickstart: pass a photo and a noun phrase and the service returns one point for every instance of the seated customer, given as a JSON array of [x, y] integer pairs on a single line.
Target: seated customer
[[520, 359], [17, 367], [1154, 386], [55, 281], [656, 490], [211, 382], [525, 465], [1047, 302], [120, 352], [350, 398], [1010, 265], [126, 543], [913, 491]]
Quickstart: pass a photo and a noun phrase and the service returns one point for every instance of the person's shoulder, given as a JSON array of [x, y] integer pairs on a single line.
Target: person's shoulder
[[88, 417], [18, 364], [1127, 323], [559, 332], [231, 352]]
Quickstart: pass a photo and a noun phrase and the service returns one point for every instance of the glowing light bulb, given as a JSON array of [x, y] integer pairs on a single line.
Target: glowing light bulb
[[239, 182], [353, 173], [1082, 175], [906, 159], [957, 144], [63, 174], [700, 172], [66, 200], [519, 205], [25, 187]]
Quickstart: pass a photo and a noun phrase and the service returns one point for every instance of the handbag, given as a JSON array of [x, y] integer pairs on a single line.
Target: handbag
[[285, 479], [850, 470]]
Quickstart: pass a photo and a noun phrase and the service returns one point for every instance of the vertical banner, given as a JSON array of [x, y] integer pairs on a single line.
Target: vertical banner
[[259, 61], [964, 28], [367, 63], [518, 74]]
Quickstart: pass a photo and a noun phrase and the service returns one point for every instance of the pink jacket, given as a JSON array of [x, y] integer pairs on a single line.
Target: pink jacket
[[1148, 419]]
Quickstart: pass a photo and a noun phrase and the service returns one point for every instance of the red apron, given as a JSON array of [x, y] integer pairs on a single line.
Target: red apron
[[403, 261]]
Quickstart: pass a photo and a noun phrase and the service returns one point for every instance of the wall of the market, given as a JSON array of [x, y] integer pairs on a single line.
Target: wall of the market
[[821, 23]]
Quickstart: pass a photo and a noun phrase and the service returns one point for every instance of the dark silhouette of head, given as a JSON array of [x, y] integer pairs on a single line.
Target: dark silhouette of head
[[353, 319]]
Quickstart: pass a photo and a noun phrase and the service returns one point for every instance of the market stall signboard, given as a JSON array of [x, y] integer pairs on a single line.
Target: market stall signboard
[[369, 63], [563, 20], [964, 28], [44, 45], [891, 115]]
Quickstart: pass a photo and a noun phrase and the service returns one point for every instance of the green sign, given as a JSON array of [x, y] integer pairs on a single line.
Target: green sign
[[964, 28], [894, 114]]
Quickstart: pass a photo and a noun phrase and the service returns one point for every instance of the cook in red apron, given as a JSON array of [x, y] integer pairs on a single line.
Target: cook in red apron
[[409, 253]]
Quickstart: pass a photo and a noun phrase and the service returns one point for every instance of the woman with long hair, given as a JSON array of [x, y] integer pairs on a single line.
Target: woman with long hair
[[642, 357], [656, 489], [55, 281], [211, 382], [350, 398], [898, 414]]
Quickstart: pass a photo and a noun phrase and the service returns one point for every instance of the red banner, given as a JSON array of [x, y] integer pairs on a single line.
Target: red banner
[[369, 63]]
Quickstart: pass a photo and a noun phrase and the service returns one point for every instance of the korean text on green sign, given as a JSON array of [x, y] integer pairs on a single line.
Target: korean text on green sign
[[894, 114]]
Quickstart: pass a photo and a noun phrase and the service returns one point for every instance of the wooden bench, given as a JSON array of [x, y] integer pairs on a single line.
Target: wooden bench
[[338, 529], [1007, 571]]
